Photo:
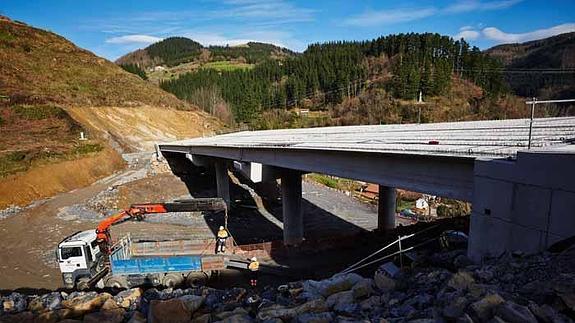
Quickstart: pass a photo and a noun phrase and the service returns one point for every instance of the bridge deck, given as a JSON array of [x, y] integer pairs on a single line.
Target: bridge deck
[[499, 138]]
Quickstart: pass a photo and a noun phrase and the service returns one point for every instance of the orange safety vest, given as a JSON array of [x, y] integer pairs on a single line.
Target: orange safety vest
[[222, 234]]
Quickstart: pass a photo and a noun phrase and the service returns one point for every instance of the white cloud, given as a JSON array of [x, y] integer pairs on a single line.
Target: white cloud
[[499, 36], [466, 28], [467, 35], [476, 5], [280, 11], [398, 15], [133, 39], [388, 17]]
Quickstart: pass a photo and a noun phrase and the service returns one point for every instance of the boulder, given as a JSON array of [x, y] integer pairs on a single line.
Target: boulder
[[343, 302], [456, 308], [128, 297], [111, 316], [137, 317], [204, 318], [172, 310], [57, 315], [324, 317], [371, 303], [86, 302], [286, 314], [13, 303], [383, 283], [461, 281], [363, 288], [224, 315], [192, 302], [465, 318], [515, 313], [110, 304], [335, 284], [483, 309], [237, 318]]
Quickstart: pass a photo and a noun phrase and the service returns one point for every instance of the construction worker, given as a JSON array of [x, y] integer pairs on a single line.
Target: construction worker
[[254, 266], [221, 240]]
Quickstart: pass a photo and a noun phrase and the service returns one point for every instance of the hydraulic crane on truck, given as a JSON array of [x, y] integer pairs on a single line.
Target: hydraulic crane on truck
[[84, 257]]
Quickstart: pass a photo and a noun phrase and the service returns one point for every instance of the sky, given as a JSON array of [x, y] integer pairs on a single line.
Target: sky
[[112, 28]]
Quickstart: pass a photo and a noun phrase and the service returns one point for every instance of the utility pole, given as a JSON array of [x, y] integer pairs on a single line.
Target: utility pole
[[534, 101]]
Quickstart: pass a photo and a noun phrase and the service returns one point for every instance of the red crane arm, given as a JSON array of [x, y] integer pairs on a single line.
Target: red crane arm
[[137, 211]]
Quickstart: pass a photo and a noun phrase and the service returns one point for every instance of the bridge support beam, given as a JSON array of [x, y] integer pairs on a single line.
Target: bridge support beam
[[292, 210], [386, 208], [223, 180]]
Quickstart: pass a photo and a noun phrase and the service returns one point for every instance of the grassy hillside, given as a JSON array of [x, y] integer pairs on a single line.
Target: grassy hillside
[[179, 55], [51, 91], [540, 56], [40, 66]]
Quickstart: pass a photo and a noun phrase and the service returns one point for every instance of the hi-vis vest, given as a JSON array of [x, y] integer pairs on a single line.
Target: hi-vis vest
[[254, 266], [222, 234]]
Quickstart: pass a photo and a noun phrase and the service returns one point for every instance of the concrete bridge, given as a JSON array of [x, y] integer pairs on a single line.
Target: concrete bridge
[[523, 199]]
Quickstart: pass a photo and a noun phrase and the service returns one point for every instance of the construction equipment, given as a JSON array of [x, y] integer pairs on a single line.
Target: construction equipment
[[88, 257]]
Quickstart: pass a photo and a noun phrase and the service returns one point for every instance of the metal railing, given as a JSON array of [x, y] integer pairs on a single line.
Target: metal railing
[[534, 102]]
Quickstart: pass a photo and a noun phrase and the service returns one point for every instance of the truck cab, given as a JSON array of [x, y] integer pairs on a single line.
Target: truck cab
[[79, 258]]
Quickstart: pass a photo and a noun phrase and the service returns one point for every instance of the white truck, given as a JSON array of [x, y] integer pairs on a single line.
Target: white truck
[[87, 258]]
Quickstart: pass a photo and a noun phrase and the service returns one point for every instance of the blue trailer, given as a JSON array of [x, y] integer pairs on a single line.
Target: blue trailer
[[169, 263]]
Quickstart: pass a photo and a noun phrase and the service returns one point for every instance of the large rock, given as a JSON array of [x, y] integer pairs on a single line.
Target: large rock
[[137, 317], [515, 313], [327, 287], [343, 303], [483, 309], [325, 317], [456, 308], [57, 315], [111, 316], [128, 297], [172, 310], [371, 303], [13, 303], [363, 288], [383, 283], [461, 281], [192, 302], [86, 302], [286, 314]]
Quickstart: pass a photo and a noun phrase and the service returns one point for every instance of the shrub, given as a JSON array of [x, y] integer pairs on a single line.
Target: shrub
[[38, 112]]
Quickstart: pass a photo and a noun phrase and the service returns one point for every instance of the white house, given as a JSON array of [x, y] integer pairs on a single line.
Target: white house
[[421, 204]]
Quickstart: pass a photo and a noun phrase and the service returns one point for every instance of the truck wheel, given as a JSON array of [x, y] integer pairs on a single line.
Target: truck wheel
[[196, 278], [116, 282], [82, 284], [172, 280]]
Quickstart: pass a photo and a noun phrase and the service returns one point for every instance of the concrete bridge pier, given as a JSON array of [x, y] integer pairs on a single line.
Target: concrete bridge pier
[[223, 180], [386, 208], [291, 187]]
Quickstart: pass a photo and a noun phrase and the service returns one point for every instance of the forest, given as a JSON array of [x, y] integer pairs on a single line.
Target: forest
[[336, 70]]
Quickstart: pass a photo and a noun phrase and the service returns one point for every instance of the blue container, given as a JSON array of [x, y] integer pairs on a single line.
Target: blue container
[[147, 265]]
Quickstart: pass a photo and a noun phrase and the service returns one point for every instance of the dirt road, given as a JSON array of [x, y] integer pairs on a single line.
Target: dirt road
[[30, 238]]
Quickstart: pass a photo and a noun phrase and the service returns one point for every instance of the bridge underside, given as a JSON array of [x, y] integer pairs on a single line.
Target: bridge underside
[[518, 198]]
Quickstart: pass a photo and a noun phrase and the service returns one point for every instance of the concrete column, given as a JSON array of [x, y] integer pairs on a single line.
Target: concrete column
[[292, 211], [223, 180], [386, 208]]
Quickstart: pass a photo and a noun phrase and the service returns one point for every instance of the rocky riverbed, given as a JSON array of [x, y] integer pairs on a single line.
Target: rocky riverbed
[[440, 287]]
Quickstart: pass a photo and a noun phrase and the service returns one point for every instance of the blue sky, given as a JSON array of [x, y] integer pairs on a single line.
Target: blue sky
[[113, 28]]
